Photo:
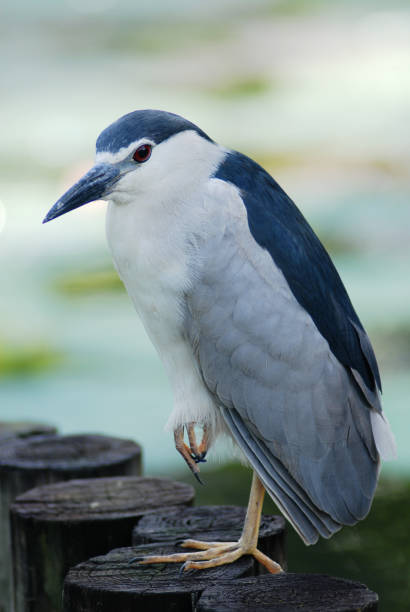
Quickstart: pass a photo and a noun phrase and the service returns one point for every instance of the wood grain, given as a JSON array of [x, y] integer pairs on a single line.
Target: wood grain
[[110, 583], [54, 527]]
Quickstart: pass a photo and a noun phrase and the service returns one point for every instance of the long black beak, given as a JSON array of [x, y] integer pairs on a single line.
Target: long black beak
[[92, 186]]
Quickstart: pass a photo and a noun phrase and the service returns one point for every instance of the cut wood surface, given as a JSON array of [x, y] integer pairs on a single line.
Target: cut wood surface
[[211, 523], [24, 429], [76, 455], [110, 583], [54, 527], [288, 593], [93, 499], [27, 462]]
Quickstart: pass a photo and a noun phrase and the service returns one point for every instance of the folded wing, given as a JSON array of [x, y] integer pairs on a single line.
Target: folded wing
[[298, 413]]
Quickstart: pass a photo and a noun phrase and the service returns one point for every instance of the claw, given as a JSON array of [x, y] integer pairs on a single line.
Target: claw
[[179, 542], [182, 570], [198, 478], [199, 458]]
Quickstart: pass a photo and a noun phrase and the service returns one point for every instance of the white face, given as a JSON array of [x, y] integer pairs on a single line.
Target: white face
[[175, 167], [170, 170]]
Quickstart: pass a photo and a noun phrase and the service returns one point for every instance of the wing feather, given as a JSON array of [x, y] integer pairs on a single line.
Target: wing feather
[[293, 408], [278, 226], [284, 490]]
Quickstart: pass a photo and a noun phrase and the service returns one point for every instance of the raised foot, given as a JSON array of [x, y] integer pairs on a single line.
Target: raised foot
[[212, 554], [194, 453]]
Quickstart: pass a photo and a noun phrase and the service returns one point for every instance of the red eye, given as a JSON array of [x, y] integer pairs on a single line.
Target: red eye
[[142, 153]]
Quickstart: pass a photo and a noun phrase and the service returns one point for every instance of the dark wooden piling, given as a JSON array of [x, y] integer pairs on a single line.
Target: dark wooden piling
[[23, 429], [110, 583], [54, 527], [211, 523], [287, 592], [12, 430], [27, 462]]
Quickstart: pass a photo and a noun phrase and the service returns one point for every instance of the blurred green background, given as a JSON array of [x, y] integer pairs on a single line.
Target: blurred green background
[[318, 92]]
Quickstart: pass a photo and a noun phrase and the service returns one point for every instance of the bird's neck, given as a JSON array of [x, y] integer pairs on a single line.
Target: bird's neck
[[150, 243], [150, 223]]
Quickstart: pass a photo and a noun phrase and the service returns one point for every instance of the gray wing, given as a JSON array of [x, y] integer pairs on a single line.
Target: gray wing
[[294, 410]]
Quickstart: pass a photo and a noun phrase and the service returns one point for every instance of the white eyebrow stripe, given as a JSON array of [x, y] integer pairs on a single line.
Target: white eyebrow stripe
[[105, 157]]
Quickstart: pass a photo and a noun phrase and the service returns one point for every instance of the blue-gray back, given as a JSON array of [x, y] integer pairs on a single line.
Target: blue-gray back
[[280, 228]]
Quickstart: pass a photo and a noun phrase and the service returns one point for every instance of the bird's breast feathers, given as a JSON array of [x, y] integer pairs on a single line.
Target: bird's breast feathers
[[157, 253]]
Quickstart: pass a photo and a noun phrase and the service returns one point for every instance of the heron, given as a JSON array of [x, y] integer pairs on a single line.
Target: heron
[[251, 321]]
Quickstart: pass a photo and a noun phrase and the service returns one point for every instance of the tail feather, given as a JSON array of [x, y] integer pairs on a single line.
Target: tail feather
[[308, 520]]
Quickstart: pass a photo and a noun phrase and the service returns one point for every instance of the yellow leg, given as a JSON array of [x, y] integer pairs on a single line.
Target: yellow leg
[[212, 554], [249, 537]]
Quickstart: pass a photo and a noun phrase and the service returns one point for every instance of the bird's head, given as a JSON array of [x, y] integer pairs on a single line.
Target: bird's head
[[139, 152]]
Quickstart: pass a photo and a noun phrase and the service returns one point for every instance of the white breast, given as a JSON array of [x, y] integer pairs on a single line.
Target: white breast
[[151, 260], [150, 238]]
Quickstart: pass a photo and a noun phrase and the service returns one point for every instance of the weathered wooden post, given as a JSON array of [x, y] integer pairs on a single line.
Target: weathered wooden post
[[110, 583], [54, 527], [29, 462], [12, 430], [287, 592], [9, 431], [211, 523]]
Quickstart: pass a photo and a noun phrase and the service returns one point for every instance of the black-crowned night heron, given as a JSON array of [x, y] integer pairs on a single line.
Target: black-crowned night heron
[[251, 320]]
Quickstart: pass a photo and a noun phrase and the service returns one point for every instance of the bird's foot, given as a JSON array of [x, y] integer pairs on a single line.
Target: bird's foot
[[194, 453], [198, 450], [212, 554]]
